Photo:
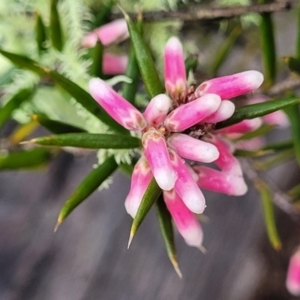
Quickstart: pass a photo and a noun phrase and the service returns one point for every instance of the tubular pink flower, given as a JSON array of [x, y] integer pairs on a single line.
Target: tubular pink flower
[[184, 219], [231, 86], [224, 112], [174, 68], [157, 110], [186, 187], [227, 162], [243, 126], [156, 152], [193, 149], [116, 106], [140, 180], [293, 274], [110, 33], [187, 115], [220, 182], [114, 64]]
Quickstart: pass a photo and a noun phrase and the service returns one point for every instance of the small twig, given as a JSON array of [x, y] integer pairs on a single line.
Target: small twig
[[281, 199], [210, 14], [284, 85]]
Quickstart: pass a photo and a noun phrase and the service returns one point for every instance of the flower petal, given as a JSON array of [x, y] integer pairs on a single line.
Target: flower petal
[[293, 274], [156, 152], [186, 187], [187, 115], [140, 180], [220, 182], [224, 112], [114, 64], [116, 106], [193, 149], [157, 110], [174, 67], [227, 162], [231, 86], [185, 221], [243, 126]]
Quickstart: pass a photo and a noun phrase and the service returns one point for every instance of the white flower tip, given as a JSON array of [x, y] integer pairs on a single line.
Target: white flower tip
[[194, 237], [174, 44], [162, 102], [255, 78], [228, 109], [165, 179], [241, 187], [210, 153], [293, 288], [131, 209], [212, 100], [96, 84]]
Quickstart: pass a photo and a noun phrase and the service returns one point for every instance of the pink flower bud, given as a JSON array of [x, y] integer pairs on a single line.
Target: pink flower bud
[[140, 180], [231, 86], [193, 149], [156, 152], [157, 110], [243, 126], [220, 182], [293, 274], [116, 106], [224, 112], [110, 33], [184, 219], [187, 115], [227, 162], [186, 187], [174, 68], [114, 64]]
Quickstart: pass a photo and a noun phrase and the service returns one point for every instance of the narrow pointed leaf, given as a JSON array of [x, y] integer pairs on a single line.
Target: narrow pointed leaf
[[151, 195], [94, 179], [250, 153], [166, 228], [24, 159], [191, 63], [56, 127], [56, 33], [264, 129], [89, 140], [293, 64], [284, 145], [268, 47], [295, 192], [24, 62], [144, 60], [14, 103], [96, 54], [85, 99], [78, 93], [224, 50], [269, 216], [294, 117], [40, 33], [257, 110], [22, 132], [127, 169]]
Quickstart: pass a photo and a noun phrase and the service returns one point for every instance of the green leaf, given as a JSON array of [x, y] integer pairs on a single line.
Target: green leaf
[[24, 62], [94, 179], [257, 110], [166, 228], [294, 117], [86, 100], [268, 47], [269, 216], [151, 195], [191, 63], [24, 159], [284, 145], [14, 103], [293, 64], [295, 192], [96, 54], [89, 140], [56, 33], [56, 127], [224, 50], [145, 61], [262, 130], [40, 33]]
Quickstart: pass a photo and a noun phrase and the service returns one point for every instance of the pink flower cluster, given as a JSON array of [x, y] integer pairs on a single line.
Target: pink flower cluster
[[293, 274], [177, 133]]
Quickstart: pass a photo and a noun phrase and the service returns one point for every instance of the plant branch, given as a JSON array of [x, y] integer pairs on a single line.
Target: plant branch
[[211, 14]]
